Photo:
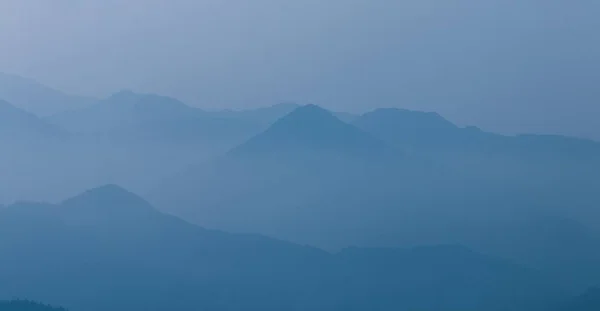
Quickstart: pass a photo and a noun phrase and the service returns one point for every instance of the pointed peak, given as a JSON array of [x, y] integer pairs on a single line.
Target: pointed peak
[[125, 93], [312, 109], [308, 119], [308, 115], [108, 198], [311, 127]]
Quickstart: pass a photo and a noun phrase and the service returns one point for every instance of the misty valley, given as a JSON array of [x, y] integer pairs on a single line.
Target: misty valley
[[140, 202]]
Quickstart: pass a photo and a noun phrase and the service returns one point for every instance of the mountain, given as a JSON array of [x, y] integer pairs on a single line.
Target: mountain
[[406, 127], [26, 305], [268, 115], [303, 170], [17, 124], [265, 115], [428, 131], [312, 127], [315, 180], [29, 149], [109, 250], [122, 109], [132, 117], [36, 98]]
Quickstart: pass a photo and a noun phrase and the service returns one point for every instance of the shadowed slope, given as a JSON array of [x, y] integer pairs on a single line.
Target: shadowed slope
[[86, 255]]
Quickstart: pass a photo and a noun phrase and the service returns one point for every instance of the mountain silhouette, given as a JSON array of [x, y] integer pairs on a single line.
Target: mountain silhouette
[[312, 127], [504, 195], [406, 127], [36, 98], [428, 131], [121, 110], [264, 115], [109, 199], [133, 117], [18, 124], [26, 305], [141, 259]]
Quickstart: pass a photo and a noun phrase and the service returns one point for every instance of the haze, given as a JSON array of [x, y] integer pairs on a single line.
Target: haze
[[504, 65], [247, 155]]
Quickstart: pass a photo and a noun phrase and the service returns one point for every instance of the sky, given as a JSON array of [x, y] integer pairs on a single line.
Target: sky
[[504, 65]]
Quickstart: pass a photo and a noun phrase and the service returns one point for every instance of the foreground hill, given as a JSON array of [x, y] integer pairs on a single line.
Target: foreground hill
[[26, 305], [108, 249]]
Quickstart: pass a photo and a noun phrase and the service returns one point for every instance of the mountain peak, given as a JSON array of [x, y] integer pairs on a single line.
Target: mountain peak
[[310, 111], [312, 127], [33, 97], [123, 94], [308, 118], [108, 198]]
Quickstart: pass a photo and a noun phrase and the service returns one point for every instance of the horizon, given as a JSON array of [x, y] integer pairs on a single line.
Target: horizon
[[98, 100], [508, 66]]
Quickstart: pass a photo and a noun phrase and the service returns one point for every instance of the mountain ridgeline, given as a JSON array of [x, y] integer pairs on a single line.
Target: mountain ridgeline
[[108, 249], [402, 178], [26, 305], [289, 207]]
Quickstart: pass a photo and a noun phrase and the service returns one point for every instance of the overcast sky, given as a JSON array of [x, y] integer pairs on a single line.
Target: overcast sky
[[509, 65]]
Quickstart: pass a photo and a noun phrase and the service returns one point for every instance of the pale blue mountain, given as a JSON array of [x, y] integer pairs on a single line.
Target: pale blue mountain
[[19, 125], [312, 127], [313, 179], [36, 98], [428, 131]]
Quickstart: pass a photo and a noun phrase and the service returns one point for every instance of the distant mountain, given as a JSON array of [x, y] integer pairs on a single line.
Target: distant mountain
[[313, 179], [312, 127], [265, 115], [295, 180], [428, 131], [406, 127], [268, 115], [37, 98], [19, 125], [121, 110], [129, 116], [26, 305], [109, 250]]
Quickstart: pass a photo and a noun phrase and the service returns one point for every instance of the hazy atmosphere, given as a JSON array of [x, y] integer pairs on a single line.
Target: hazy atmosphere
[[504, 65], [274, 155]]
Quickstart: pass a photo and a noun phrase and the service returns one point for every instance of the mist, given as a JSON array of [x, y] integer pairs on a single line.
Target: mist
[[299, 155], [506, 66]]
